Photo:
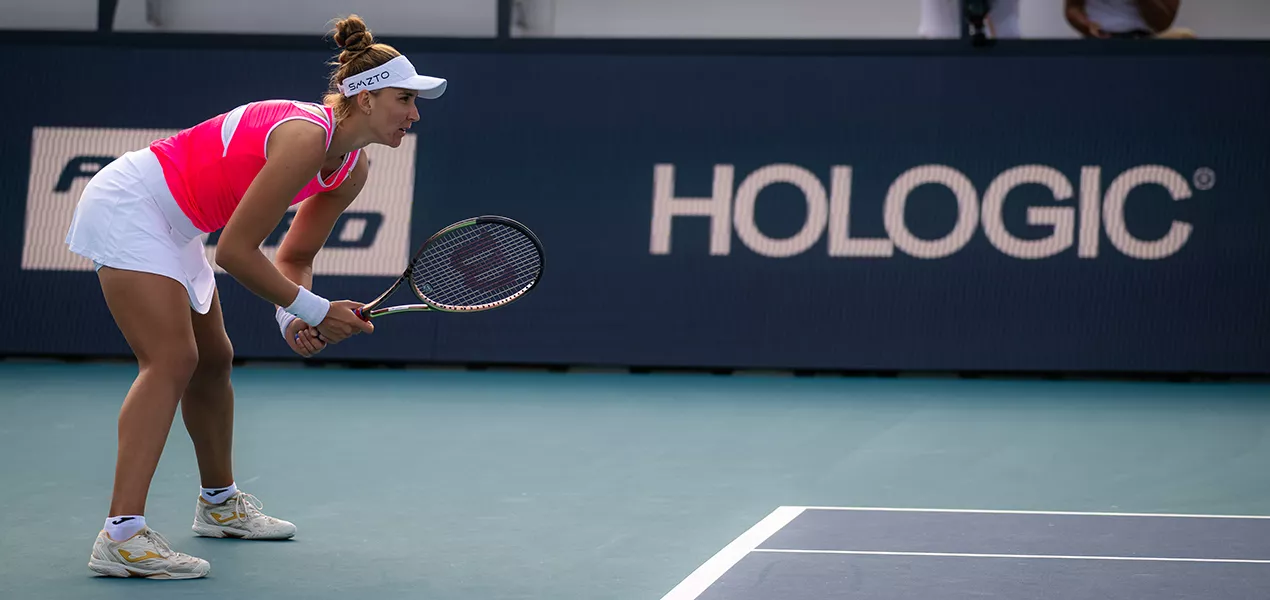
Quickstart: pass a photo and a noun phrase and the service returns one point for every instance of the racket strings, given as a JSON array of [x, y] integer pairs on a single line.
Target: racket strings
[[477, 265], [489, 279]]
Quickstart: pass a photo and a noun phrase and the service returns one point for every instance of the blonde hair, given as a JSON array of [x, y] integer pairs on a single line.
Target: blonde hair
[[360, 53]]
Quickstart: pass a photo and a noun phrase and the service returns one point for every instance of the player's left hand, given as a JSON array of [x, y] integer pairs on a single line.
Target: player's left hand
[[304, 340]]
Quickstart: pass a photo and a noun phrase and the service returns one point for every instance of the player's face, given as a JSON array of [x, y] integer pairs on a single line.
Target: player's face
[[392, 114]]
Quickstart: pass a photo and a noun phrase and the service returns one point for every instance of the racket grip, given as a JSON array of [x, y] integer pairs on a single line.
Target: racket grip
[[358, 311]]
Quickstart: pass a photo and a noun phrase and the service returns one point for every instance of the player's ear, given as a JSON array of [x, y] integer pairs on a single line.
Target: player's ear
[[363, 101]]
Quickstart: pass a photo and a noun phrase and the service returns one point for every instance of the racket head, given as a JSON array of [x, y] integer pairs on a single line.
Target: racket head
[[477, 264]]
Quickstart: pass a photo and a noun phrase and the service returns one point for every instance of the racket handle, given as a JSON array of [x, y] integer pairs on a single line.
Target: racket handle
[[358, 311]]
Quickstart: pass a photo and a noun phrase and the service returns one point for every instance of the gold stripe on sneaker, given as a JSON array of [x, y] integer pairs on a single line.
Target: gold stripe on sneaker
[[128, 556]]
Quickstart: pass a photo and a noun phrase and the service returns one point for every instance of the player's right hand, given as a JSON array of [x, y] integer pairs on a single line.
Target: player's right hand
[[342, 323]]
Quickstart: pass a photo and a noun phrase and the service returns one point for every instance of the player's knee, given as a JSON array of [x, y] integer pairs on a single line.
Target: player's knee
[[215, 360], [176, 363]]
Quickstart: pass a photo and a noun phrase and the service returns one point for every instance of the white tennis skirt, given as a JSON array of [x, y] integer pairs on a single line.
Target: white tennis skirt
[[127, 219]]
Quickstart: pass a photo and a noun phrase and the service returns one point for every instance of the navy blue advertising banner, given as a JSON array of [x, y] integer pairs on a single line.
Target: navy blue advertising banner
[[1039, 213]]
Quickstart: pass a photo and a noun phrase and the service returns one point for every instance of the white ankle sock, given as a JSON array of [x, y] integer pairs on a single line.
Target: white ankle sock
[[122, 527], [218, 495]]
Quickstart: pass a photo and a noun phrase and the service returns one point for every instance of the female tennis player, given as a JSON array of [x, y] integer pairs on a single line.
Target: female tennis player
[[140, 221]]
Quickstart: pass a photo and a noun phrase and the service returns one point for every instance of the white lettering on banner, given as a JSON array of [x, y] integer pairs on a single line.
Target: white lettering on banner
[[718, 207], [372, 238], [747, 197], [1113, 212], [967, 211], [840, 241], [1058, 218], [1097, 213]]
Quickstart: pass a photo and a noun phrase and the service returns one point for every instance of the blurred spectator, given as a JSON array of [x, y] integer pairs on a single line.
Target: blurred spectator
[[1132, 19], [945, 19]]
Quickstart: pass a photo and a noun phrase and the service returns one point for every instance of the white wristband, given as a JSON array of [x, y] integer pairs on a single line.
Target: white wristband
[[284, 318], [310, 307]]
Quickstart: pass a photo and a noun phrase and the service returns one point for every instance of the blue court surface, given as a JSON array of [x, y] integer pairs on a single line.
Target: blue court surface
[[812, 553]]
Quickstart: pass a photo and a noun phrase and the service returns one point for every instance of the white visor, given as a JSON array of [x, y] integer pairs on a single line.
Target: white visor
[[398, 73]]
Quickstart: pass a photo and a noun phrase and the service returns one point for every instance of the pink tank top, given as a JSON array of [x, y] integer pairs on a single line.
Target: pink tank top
[[209, 166]]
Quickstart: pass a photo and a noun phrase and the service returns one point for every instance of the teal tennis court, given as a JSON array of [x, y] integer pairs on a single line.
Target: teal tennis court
[[487, 484]]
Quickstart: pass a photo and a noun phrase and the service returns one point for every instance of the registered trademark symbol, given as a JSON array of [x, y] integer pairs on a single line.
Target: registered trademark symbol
[[1204, 178]]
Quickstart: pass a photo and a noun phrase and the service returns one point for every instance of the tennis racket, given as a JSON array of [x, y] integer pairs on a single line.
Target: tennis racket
[[476, 264]]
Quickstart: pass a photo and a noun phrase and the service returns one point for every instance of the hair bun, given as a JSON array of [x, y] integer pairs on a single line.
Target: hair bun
[[352, 35]]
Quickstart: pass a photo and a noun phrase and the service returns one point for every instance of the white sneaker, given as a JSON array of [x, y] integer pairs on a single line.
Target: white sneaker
[[146, 554], [239, 516]]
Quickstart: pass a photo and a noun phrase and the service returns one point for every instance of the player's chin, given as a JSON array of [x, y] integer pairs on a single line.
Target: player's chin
[[394, 138]]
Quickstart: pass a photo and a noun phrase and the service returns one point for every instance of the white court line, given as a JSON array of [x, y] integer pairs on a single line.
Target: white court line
[[1035, 512], [1051, 556], [713, 569]]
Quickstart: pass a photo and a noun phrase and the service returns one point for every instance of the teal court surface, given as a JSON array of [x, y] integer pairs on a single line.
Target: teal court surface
[[451, 484]]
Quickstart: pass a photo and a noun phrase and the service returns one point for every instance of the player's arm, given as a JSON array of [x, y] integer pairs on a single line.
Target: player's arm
[[296, 152], [313, 223], [1079, 19], [1159, 14]]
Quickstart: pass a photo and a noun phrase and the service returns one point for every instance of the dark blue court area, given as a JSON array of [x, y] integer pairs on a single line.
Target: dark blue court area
[[799, 553]]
